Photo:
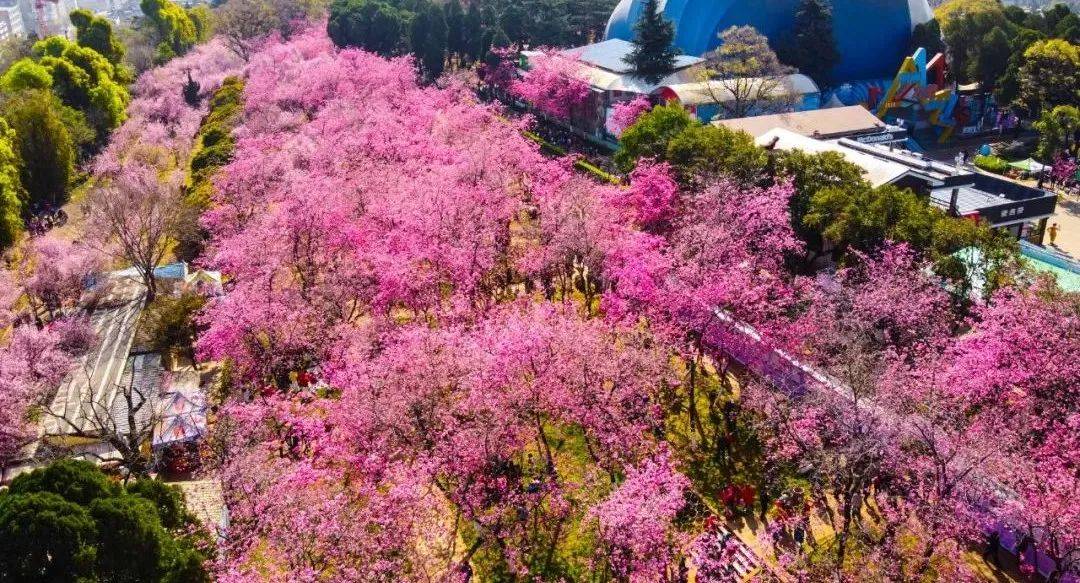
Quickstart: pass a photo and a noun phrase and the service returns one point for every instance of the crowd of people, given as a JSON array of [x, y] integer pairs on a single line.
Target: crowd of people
[[45, 218]]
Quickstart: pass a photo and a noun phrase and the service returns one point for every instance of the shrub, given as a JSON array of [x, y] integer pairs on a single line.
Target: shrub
[[168, 323], [214, 149], [44, 537], [70, 522], [80, 482], [991, 164]]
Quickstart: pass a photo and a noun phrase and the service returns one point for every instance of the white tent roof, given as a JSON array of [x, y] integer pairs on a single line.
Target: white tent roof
[[601, 66], [610, 55], [699, 92]]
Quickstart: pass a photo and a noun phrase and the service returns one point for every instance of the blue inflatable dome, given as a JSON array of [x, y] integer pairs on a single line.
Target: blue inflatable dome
[[872, 35]]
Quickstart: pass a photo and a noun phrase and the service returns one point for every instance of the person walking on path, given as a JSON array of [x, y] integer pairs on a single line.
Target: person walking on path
[[1054, 229]]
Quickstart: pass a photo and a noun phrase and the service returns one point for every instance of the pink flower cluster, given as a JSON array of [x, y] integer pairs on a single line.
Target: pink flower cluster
[[625, 113], [553, 84]]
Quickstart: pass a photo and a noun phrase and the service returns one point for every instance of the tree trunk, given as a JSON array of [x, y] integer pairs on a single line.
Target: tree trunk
[[151, 287]]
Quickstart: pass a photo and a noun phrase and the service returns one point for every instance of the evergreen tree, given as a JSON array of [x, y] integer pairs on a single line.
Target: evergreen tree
[[427, 35], [69, 522], [812, 45], [11, 192], [514, 21], [548, 23], [927, 36], [473, 34], [1050, 76], [96, 33], [993, 60], [191, 91], [653, 57], [44, 146], [368, 24], [173, 29], [45, 538], [455, 29], [588, 18], [25, 74]]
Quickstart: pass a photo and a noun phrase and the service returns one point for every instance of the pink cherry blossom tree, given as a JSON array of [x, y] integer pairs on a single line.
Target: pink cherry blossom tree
[[32, 363], [450, 350], [55, 273], [1064, 169], [636, 521], [553, 84], [625, 113]]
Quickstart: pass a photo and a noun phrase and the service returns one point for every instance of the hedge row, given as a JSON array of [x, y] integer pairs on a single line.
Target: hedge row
[[214, 146], [581, 164]]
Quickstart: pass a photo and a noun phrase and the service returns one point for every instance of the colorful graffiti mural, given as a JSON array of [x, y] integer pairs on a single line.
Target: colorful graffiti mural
[[920, 98], [920, 88]]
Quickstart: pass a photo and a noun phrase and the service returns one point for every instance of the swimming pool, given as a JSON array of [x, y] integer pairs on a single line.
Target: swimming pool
[[1064, 269]]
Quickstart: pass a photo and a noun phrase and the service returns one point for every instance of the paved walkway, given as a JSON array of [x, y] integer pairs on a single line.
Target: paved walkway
[[203, 498], [1068, 219]]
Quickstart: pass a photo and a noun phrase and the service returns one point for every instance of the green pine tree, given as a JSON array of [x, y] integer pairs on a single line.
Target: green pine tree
[[653, 57], [812, 45], [428, 38], [455, 28], [473, 35]]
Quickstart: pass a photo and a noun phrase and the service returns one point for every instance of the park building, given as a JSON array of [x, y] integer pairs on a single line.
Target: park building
[[873, 39], [833, 123], [710, 99], [122, 390], [1022, 211], [611, 80], [872, 36]]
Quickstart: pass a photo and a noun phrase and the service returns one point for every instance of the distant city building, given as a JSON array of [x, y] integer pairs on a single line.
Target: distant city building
[[55, 14], [11, 23]]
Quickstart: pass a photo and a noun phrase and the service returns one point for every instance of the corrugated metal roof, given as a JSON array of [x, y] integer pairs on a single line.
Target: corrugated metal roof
[[91, 388], [144, 376], [969, 200], [603, 78]]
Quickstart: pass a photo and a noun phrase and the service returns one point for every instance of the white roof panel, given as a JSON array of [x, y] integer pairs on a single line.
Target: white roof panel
[[609, 55], [878, 171]]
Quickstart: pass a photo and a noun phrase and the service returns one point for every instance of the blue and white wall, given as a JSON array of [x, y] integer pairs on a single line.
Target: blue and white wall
[[872, 35]]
